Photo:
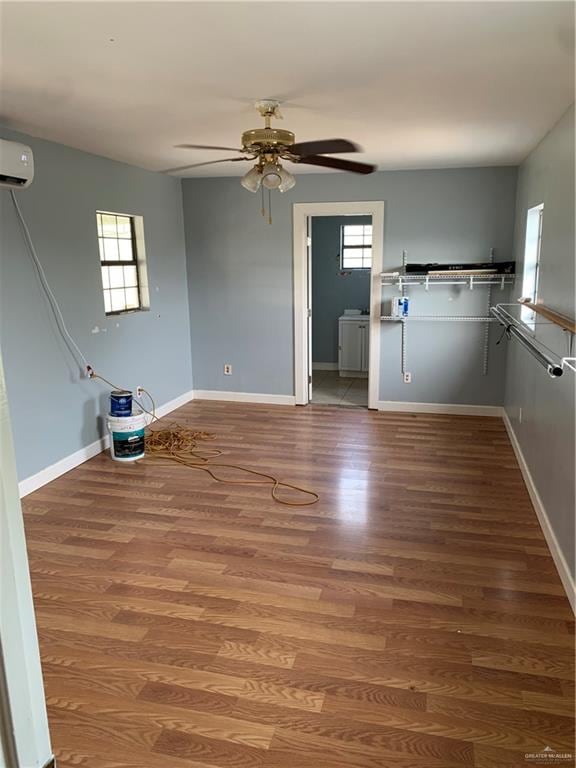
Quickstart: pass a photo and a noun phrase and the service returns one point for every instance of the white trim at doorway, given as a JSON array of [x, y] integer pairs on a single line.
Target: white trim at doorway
[[302, 211]]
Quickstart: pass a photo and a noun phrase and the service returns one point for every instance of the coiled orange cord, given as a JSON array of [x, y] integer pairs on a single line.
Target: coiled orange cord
[[180, 444]]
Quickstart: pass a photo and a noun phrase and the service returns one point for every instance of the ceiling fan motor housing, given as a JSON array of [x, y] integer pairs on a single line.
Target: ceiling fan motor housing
[[267, 137]]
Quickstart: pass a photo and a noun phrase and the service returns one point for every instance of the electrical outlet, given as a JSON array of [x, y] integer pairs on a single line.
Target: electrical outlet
[[139, 391], [227, 369], [407, 378]]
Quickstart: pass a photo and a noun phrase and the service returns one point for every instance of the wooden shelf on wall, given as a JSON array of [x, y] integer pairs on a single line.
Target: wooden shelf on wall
[[566, 323]]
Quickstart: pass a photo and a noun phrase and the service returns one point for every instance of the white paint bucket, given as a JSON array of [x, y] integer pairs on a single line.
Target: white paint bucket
[[127, 436]]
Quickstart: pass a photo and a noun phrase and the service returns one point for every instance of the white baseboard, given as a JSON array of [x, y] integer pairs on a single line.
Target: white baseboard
[[353, 374], [243, 397], [171, 405], [324, 366], [544, 520], [444, 408], [32, 483]]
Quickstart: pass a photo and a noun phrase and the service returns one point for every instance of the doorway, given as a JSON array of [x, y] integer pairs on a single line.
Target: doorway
[[341, 263], [347, 332]]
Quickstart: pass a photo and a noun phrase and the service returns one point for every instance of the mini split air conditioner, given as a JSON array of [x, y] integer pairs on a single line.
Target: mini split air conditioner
[[16, 165]]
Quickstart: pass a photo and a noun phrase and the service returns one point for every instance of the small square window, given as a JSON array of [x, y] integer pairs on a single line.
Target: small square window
[[122, 265], [356, 246]]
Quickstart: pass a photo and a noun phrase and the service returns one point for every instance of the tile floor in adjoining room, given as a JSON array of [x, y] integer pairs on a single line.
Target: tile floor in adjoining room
[[328, 388]]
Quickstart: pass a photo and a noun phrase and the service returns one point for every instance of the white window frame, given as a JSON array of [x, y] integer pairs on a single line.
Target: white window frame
[[531, 266], [343, 247], [139, 261]]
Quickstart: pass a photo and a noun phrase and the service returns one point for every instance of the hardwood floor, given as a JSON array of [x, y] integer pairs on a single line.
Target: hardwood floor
[[413, 618]]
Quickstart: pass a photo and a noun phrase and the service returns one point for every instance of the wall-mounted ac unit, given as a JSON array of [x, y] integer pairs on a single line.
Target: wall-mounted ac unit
[[16, 165]]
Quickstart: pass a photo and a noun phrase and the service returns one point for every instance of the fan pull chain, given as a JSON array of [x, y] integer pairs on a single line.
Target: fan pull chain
[[262, 210], [269, 206]]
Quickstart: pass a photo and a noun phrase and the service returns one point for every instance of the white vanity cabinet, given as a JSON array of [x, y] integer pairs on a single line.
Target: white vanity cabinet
[[353, 345]]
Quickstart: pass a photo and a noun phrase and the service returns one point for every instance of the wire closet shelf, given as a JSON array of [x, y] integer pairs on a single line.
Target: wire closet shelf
[[464, 277], [471, 281]]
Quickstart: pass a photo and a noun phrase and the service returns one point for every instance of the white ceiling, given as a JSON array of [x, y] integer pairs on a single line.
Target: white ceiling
[[417, 84]]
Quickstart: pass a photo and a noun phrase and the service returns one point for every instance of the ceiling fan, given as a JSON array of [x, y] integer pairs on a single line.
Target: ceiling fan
[[268, 146]]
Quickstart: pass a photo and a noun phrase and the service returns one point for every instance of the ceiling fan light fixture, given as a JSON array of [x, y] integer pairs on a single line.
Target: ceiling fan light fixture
[[271, 175], [288, 180], [252, 180]]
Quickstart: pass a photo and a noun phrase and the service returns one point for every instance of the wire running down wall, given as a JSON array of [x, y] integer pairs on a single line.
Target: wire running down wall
[[40, 368]]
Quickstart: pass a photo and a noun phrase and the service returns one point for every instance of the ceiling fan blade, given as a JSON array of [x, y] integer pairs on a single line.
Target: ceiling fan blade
[[209, 162], [323, 147], [206, 146], [340, 165]]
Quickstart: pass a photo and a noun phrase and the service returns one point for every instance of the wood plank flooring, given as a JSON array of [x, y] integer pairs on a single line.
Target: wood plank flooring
[[413, 618]]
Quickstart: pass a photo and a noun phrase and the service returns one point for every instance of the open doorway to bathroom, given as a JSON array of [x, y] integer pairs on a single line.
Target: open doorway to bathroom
[[341, 266], [337, 302]]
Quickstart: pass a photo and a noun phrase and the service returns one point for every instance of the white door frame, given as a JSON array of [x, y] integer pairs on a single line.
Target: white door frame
[[302, 211], [23, 722]]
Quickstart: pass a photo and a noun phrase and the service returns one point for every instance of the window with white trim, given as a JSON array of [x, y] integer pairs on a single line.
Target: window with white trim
[[356, 246], [122, 262], [531, 270]]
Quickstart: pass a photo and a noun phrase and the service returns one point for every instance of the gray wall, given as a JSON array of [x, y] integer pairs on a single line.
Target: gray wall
[[545, 406], [332, 292], [55, 412], [240, 276]]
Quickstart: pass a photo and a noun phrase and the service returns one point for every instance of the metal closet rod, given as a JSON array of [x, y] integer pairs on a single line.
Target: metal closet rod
[[509, 323]]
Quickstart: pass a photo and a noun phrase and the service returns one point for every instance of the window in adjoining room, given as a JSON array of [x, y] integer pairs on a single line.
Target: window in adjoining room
[[356, 246], [122, 262]]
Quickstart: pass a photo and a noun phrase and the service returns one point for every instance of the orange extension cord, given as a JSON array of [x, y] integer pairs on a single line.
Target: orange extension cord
[[180, 444]]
